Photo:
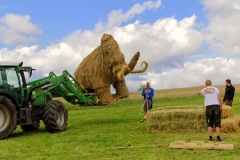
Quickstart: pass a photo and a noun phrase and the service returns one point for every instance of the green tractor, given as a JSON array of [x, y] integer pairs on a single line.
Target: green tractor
[[25, 104]]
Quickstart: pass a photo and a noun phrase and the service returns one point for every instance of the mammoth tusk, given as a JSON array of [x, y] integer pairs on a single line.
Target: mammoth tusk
[[141, 70], [120, 74]]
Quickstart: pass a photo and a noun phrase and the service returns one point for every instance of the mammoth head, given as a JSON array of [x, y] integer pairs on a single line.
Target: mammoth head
[[111, 50], [105, 37], [109, 45], [114, 57]]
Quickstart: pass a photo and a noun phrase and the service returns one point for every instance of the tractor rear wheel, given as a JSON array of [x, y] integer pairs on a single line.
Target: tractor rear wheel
[[55, 116], [8, 117], [32, 127]]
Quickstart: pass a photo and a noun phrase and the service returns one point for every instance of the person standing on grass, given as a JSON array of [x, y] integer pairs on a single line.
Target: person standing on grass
[[213, 103], [148, 94], [229, 93]]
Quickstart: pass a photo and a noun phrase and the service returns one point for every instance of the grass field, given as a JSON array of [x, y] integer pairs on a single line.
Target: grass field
[[93, 132]]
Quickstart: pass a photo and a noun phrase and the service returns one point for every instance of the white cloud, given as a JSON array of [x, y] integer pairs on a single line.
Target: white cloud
[[164, 40], [222, 33], [194, 74], [18, 30], [115, 18], [56, 57], [165, 43]]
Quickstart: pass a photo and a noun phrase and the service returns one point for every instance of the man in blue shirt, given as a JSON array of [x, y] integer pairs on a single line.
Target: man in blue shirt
[[148, 93]]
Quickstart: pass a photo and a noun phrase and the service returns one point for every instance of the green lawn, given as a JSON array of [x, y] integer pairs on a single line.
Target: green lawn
[[93, 132]]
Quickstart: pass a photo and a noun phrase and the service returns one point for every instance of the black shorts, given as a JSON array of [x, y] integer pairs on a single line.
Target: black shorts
[[213, 116], [147, 105]]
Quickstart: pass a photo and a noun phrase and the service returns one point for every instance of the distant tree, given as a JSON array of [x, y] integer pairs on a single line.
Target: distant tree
[[141, 87]]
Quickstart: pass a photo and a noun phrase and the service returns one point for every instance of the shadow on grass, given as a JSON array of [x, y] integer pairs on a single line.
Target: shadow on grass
[[22, 133]]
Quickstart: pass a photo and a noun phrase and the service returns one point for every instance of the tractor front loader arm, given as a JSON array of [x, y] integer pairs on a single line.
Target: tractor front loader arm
[[65, 86]]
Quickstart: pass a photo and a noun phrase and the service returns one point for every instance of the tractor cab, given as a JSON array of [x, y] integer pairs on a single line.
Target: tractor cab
[[8, 77], [13, 83], [10, 82]]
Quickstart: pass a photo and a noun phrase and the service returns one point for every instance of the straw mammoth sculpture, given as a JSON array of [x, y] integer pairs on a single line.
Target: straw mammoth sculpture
[[106, 66]]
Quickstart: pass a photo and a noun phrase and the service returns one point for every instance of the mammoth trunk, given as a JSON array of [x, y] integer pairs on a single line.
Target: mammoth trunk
[[141, 70], [132, 63]]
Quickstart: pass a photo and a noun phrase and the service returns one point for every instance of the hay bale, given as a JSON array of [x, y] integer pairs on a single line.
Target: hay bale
[[229, 125], [177, 120], [236, 118], [188, 119], [227, 112], [106, 66]]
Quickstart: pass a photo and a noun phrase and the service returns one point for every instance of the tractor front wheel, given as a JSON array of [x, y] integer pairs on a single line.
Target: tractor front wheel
[[8, 117], [55, 116]]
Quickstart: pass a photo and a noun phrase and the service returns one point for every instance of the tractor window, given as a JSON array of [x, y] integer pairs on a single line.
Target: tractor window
[[8, 76]]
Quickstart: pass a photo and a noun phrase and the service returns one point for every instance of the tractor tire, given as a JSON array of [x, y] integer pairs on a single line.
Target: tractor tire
[[8, 117], [55, 116], [32, 127]]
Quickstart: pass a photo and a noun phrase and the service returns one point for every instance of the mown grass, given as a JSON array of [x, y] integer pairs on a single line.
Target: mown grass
[[92, 132]]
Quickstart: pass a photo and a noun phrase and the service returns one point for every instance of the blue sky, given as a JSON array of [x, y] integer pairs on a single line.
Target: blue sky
[[59, 18], [191, 40]]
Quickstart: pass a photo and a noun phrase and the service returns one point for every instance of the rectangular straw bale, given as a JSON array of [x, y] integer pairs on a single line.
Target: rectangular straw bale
[[236, 118], [229, 125], [190, 119], [176, 114], [227, 112], [177, 126]]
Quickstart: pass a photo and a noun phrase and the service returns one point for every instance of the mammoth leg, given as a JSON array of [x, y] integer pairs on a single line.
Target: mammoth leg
[[105, 95], [121, 89]]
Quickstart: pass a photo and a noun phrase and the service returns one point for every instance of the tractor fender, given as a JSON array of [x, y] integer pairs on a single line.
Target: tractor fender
[[48, 96], [9, 96]]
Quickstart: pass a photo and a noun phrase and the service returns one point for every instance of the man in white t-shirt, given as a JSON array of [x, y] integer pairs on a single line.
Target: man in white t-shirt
[[213, 103]]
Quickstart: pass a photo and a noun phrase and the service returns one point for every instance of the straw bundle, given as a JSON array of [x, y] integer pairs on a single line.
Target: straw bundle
[[236, 118], [191, 119], [177, 120], [106, 66], [229, 125], [227, 112]]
